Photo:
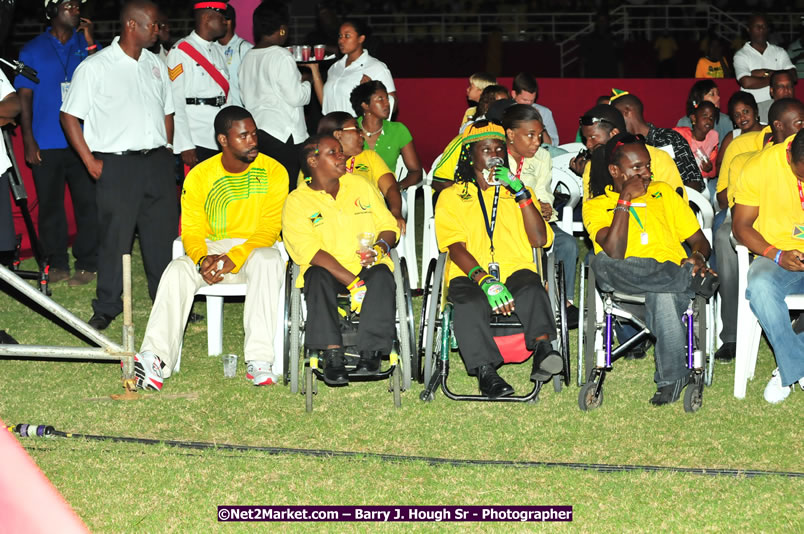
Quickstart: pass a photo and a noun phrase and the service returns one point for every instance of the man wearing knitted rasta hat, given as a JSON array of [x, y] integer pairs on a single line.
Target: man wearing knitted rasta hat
[[488, 224]]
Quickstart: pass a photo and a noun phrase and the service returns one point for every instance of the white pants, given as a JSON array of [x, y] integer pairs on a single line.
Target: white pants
[[263, 271]]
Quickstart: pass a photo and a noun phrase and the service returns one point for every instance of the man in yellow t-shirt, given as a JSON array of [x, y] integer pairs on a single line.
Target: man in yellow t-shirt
[[231, 217], [337, 228], [787, 118], [489, 232], [637, 227], [768, 218]]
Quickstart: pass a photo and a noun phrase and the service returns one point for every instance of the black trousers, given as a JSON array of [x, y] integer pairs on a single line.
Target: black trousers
[[62, 166], [473, 314], [285, 152], [376, 330], [203, 153], [134, 192]]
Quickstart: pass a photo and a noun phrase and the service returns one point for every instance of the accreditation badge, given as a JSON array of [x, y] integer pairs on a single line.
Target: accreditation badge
[[65, 88]]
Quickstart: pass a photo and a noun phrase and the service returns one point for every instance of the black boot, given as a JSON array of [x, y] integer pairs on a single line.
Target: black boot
[[369, 362], [491, 384], [546, 362], [335, 367]]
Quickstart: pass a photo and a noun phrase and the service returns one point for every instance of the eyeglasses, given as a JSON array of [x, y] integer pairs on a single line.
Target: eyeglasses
[[589, 121], [349, 128]]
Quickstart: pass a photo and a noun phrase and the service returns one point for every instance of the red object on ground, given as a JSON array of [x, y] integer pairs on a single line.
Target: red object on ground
[[29, 503]]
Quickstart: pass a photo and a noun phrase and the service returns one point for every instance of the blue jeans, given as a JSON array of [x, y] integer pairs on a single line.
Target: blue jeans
[[667, 295], [565, 248], [768, 285]]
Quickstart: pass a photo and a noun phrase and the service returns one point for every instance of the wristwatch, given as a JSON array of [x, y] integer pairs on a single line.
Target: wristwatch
[[198, 265]]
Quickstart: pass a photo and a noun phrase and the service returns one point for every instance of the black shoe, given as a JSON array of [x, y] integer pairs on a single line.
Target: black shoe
[[546, 363], [369, 363], [491, 384], [726, 353], [636, 353], [6, 339], [335, 368], [195, 317], [572, 317], [100, 321], [670, 393]]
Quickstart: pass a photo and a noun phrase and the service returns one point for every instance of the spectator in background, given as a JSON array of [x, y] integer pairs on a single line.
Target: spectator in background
[[666, 48], [387, 138], [525, 90], [601, 100], [477, 83], [706, 91], [668, 140], [272, 88], [714, 64], [127, 114], [55, 54], [796, 50], [702, 139], [355, 67], [199, 91], [163, 40], [744, 114], [782, 84], [757, 59], [490, 94], [601, 51], [234, 48]]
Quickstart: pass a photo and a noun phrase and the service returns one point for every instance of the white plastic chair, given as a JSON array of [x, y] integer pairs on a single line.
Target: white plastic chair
[[566, 181], [703, 210], [748, 329], [215, 294], [573, 148], [429, 245], [406, 248]]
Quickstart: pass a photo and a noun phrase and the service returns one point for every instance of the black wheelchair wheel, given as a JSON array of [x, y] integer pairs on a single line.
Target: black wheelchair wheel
[[431, 339], [295, 331], [309, 378], [286, 322], [586, 397], [590, 327], [418, 358], [693, 397], [407, 329], [563, 328]]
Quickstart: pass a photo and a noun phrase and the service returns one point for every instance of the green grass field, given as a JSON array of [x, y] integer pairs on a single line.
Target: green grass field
[[153, 488]]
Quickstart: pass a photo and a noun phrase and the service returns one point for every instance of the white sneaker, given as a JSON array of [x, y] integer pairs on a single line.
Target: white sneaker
[[261, 373], [775, 392], [148, 370]]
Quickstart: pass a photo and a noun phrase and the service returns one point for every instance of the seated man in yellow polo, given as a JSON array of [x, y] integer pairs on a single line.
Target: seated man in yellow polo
[[231, 216], [637, 227], [322, 222], [768, 218], [489, 232]]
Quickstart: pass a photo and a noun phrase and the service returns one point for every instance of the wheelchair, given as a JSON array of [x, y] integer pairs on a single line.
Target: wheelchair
[[437, 340], [596, 351], [296, 356]]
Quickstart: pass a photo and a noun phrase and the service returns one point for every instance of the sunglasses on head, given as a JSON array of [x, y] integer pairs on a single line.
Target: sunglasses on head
[[590, 121]]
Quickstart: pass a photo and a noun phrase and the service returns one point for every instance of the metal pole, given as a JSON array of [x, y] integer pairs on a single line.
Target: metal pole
[[83, 353], [59, 311]]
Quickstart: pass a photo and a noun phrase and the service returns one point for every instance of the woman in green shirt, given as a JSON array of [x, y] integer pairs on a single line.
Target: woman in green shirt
[[387, 138]]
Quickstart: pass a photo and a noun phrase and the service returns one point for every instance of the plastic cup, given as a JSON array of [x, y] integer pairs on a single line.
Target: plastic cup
[[229, 365], [291, 50], [297, 52], [305, 52], [320, 51], [365, 241]]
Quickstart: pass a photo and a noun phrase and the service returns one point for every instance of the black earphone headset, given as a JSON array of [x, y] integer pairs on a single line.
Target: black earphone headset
[[52, 9]]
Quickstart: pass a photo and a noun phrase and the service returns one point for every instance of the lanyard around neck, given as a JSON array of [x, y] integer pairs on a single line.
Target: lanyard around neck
[[490, 224]]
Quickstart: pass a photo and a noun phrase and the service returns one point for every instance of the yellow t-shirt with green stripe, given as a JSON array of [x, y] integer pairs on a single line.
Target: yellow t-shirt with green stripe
[[664, 216], [217, 204]]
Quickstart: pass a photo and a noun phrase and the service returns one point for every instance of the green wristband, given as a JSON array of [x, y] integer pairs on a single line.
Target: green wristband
[[473, 272]]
